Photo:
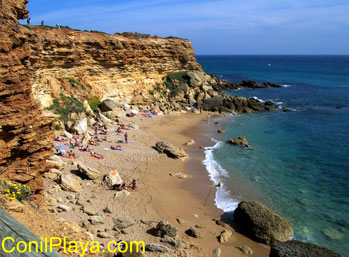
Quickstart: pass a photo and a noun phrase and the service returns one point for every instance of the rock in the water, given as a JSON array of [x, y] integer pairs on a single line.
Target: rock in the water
[[217, 252], [193, 232], [221, 131], [333, 234], [156, 248], [164, 228], [170, 150], [89, 172], [113, 178], [122, 223], [245, 249], [295, 248], [240, 141], [224, 236], [261, 223], [190, 142], [70, 183]]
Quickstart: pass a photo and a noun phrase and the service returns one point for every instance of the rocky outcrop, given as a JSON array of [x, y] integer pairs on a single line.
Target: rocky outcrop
[[299, 249], [120, 66], [170, 150], [88, 172], [240, 141], [25, 134], [164, 228], [262, 223]]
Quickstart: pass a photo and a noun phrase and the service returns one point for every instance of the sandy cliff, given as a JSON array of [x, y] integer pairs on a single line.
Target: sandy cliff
[[117, 66], [25, 135]]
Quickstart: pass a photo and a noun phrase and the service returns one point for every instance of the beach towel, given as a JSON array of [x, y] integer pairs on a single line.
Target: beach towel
[[123, 142], [95, 157]]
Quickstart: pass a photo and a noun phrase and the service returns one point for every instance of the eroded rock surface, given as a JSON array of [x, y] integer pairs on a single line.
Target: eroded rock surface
[[25, 134]]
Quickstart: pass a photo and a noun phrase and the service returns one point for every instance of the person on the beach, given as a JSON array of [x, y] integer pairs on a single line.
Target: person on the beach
[[126, 138], [123, 187], [133, 184], [118, 147], [96, 130], [28, 21], [42, 23], [208, 117], [62, 153]]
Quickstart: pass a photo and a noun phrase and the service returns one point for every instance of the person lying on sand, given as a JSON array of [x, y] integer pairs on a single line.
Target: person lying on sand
[[85, 149], [97, 155], [118, 147]]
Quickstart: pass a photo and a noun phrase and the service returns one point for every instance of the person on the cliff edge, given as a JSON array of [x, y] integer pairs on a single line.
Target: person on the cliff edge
[[28, 21], [42, 23]]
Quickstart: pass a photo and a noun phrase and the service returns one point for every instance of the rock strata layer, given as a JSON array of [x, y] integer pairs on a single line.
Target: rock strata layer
[[25, 134]]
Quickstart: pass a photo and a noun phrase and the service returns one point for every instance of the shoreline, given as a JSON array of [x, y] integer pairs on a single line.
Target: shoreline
[[199, 191], [159, 196]]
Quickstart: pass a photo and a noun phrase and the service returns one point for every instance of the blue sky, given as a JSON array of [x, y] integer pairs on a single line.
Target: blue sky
[[214, 27]]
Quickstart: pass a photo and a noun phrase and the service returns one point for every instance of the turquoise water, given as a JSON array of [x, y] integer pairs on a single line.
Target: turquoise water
[[299, 164]]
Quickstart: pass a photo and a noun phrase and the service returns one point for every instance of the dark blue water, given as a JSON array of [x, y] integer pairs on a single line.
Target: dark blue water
[[299, 164]]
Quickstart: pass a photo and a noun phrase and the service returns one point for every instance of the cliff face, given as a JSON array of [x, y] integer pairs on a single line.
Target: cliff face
[[25, 135], [113, 66]]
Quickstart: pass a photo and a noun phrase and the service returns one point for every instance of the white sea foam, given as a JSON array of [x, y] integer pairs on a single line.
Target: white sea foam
[[215, 171], [260, 100], [285, 85]]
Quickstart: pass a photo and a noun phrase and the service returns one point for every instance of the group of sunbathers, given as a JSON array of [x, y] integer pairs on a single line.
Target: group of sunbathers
[[132, 185]]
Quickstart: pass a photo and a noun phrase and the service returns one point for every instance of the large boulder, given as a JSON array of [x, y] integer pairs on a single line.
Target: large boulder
[[170, 150], [107, 105], [240, 141], [164, 228], [213, 103], [197, 78], [70, 183], [299, 249], [262, 223], [113, 178], [81, 126], [88, 172]]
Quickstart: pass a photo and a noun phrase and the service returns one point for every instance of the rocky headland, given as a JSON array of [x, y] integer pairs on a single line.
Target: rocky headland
[[88, 78]]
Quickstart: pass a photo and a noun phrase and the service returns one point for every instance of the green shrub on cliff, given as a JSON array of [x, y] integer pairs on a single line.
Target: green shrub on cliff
[[181, 76], [75, 82], [94, 102], [65, 105]]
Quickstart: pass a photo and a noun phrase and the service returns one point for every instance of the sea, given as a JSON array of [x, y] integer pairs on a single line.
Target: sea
[[299, 161]]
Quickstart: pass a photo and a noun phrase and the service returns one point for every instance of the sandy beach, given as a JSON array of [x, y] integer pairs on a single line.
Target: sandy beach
[[159, 195]]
